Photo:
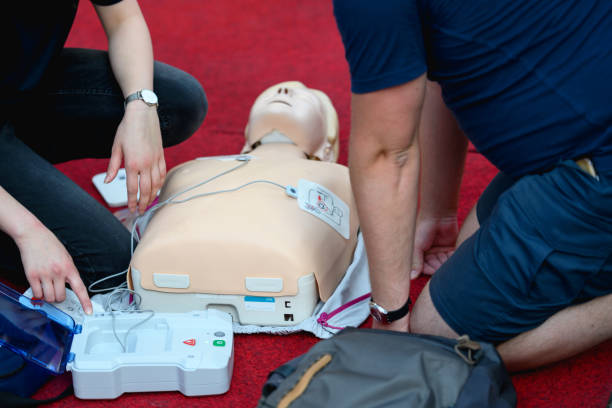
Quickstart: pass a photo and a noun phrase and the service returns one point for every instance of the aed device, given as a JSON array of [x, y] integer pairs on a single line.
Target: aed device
[[188, 352]]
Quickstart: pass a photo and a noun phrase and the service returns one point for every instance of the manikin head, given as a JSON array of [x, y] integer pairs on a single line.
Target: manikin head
[[290, 110]]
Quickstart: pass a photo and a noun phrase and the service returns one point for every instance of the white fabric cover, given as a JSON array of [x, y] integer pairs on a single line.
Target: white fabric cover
[[348, 305]]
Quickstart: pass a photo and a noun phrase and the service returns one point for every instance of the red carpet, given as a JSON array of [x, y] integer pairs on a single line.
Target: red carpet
[[236, 49]]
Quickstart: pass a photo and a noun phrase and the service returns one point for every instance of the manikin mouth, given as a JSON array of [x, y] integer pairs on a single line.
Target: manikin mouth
[[279, 101]]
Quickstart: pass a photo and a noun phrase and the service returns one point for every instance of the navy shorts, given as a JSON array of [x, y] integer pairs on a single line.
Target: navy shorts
[[544, 243]]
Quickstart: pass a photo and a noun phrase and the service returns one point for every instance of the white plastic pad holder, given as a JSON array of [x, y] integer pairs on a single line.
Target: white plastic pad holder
[[325, 205], [115, 192]]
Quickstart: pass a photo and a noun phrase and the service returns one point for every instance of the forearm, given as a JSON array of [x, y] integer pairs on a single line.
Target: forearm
[[138, 141], [129, 45], [384, 167], [386, 188], [443, 151]]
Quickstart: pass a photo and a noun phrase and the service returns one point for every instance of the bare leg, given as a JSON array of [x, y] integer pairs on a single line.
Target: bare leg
[[470, 226], [425, 319], [566, 333]]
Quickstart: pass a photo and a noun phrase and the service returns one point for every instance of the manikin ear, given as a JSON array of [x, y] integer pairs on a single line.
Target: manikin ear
[[331, 149], [332, 143]]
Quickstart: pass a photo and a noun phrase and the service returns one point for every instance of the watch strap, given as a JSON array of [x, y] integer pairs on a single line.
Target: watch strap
[[399, 313], [132, 97]]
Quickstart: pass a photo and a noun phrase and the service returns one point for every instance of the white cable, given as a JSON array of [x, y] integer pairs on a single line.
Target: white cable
[[244, 160], [229, 190], [132, 307], [90, 287], [135, 236]]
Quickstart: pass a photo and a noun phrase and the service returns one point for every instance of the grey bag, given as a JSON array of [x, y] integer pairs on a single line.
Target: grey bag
[[378, 368]]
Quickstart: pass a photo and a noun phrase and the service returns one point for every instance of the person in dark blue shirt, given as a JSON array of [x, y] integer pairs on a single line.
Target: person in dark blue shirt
[[59, 104], [529, 84]]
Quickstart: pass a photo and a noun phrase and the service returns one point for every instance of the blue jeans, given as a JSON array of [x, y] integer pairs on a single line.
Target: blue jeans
[[73, 115]]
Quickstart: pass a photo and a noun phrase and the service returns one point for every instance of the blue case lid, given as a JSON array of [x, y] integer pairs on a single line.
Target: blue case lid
[[38, 331]]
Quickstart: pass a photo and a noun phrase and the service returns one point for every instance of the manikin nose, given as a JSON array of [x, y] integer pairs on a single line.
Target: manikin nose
[[285, 91]]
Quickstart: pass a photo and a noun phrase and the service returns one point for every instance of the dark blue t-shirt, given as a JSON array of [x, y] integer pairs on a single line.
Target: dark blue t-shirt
[[32, 35], [530, 82]]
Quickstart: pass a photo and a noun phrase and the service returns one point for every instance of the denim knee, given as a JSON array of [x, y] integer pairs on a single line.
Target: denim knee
[[182, 103]]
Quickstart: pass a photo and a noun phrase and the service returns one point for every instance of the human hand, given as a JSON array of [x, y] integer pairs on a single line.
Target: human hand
[[434, 243], [48, 266], [138, 142]]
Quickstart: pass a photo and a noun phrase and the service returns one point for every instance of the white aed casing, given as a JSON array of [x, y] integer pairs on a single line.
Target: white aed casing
[[245, 309], [188, 352]]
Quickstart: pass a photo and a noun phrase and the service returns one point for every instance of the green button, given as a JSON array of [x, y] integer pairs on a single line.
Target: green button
[[219, 343]]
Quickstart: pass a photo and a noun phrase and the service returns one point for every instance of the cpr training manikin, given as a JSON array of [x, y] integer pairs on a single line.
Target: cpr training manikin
[[265, 235]]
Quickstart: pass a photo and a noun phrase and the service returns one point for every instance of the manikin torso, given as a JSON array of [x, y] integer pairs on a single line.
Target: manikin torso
[[258, 229]]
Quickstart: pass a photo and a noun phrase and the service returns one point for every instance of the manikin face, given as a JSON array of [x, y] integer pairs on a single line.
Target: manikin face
[[296, 112]]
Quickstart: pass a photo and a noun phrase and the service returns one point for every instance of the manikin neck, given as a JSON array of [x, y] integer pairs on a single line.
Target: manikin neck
[[277, 145]]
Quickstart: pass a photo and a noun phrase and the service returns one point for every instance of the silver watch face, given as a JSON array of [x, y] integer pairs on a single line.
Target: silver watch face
[[149, 97], [378, 312]]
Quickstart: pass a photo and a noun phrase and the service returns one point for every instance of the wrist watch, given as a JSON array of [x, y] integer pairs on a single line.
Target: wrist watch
[[384, 316], [145, 95]]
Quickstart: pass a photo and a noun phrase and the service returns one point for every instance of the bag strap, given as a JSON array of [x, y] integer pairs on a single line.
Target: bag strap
[[299, 388], [10, 400], [465, 349]]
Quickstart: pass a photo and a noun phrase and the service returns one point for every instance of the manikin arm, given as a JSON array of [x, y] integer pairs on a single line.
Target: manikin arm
[[384, 169], [138, 140], [443, 150], [47, 264]]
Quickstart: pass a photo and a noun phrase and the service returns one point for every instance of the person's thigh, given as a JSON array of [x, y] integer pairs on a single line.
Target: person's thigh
[[484, 206], [98, 243], [547, 244], [80, 105]]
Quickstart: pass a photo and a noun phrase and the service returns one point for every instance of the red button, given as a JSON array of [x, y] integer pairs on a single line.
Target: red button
[[190, 342]]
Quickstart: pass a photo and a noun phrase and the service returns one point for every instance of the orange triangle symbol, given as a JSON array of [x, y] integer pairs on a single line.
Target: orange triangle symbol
[[190, 342]]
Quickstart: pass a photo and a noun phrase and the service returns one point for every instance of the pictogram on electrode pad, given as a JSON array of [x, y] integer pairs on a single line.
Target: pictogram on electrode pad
[[325, 205]]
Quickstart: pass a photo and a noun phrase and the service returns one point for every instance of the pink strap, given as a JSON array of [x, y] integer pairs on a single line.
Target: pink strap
[[322, 320]]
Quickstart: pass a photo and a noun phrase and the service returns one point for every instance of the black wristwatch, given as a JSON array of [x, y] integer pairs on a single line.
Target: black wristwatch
[[384, 316]]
